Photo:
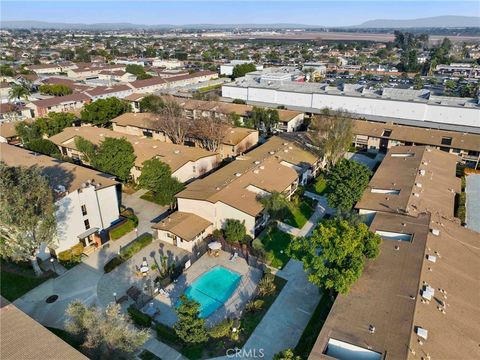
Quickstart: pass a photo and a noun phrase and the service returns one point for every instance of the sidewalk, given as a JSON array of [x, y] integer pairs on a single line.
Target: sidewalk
[[161, 350], [320, 211]]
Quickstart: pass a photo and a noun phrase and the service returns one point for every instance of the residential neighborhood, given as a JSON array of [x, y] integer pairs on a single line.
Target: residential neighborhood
[[218, 180]]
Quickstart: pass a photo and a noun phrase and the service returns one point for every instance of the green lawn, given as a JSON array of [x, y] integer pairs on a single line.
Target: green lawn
[[314, 326], [319, 186], [298, 216], [275, 243], [18, 279]]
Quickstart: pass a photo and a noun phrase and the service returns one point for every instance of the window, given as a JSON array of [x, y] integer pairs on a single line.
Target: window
[[87, 224], [387, 132], [84, 210], [446, 141]]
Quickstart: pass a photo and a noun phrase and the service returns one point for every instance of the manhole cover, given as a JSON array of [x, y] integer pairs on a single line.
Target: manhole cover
[[51, 299]]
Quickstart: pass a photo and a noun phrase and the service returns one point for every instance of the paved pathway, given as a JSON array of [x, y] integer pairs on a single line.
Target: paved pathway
[[163, 351], [320, 211], [283, 324], [473, 202], [147, 212]]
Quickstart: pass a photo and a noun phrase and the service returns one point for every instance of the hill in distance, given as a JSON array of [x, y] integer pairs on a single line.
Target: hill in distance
[[430, 22]]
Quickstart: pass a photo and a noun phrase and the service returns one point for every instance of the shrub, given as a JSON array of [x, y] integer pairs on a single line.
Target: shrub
[[258, 250], [128, 251], [254, 305], [222, 329], [166, 334], [122, 229], [235, 230], [266, 286], [65, 255], [217, 235], [77, 249], [239, 101], [71, 257], [139, 318]]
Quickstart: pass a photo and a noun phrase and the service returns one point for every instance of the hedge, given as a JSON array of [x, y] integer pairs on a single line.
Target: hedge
[[167, 334], [71, 257], [122, 229], [139, 318], [128, 251]]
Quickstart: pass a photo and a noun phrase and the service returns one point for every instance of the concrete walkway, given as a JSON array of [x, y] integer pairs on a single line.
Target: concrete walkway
[[472, 205], [284, 323], [147, 212], [320, 211], [161, 350]]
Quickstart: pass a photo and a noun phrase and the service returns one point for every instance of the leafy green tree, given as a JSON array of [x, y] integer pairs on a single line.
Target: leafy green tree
[[87, 148], [222, 329], [138, 71], [106, 333], [190, 327], [263, 118], [287, 354], [18, 92], [234, 230], [43, 146], [101, 111], [334, 256], [417, 82], [55, 89], [346, 182], [157, 177], [27, 213], [28, 131], [242, 69], [152, 103], [6, 70], [275, 204], [115, 156], [55, 122]]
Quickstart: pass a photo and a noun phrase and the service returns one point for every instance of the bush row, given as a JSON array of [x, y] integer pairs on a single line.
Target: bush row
[[128, 251], [139, 318]]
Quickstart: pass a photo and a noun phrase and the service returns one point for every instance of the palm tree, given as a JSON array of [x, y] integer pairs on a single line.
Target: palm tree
[[18, 92], [276, 205]]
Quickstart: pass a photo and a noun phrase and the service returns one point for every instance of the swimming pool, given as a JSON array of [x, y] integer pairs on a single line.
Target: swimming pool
[[213, 288]]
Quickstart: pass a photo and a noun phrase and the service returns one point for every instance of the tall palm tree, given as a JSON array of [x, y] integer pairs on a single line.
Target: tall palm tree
[[18, 92]]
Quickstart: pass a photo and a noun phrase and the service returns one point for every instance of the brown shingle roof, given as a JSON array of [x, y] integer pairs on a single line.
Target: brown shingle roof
[[71, 176], [266, 167], [417, 135], [57, 100], [185, 225], [145, 148], [24, 338]]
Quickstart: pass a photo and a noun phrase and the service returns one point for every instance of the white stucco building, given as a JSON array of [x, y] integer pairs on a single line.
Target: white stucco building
[[227, 69], [87, 201], [414, 107]]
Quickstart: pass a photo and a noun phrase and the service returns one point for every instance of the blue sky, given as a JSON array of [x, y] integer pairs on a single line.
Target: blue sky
[[329, 13]]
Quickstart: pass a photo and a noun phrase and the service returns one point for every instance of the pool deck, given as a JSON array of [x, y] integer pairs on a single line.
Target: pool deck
[[165, 304]]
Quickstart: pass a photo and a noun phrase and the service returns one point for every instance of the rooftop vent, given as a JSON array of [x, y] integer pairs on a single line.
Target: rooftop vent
[[136, 142], [176, 151], [155, 146], [271, 152], [285, 151], [257, 162], [422, 332], [435, 232], [416, 194], [418, 185], [238, 174], [422, 172], [432, 258], [256, 171], [428, 292], [262, 167]]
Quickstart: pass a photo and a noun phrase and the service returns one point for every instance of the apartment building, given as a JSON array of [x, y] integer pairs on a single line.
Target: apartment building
[[233, 191], [104, 92], [68, 103], [87, 201], [399, 308], [376, 136], [158, 83], [186, 163], [237, 140], [85, 71]]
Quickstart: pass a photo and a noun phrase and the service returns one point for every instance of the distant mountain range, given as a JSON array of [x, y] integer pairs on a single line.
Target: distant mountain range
[[430, 22]]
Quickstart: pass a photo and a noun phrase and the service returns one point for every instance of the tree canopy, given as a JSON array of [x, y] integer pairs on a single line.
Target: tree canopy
[[101, 111], [261, 118], [55, 89], [27, 213], [157, 177], [105, 333], [334, 256], [275, 204], [18, 91], [287, 354], [151, 103], [43, 146], [55, 122], [346, 182], [241, 69], [138, 71], [190, 327], [234, 230], [113, 156]]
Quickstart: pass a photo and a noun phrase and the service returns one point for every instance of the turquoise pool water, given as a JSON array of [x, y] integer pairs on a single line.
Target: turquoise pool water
[[213, 288]]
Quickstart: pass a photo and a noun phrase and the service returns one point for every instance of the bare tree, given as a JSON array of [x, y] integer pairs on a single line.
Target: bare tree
[[210, 131], [172, 121], [332, 133]]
